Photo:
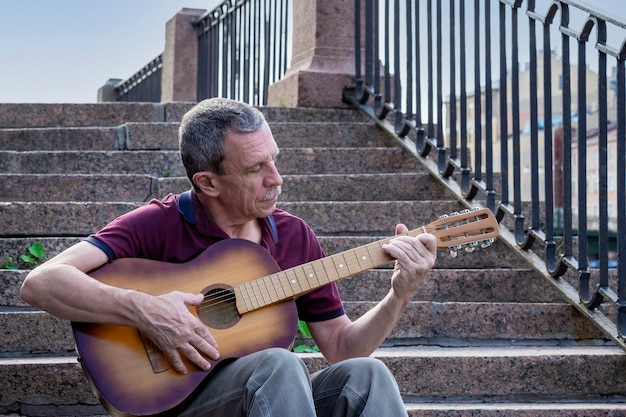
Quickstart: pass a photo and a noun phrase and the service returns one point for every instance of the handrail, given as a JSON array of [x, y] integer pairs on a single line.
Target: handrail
[[244, 46], [144, 85], [543, 145]]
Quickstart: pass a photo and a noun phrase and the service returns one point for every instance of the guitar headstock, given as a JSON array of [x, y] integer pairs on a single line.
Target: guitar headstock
[[465, 229]]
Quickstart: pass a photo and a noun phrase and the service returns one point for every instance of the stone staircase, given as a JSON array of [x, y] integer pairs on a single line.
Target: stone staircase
[[484, 336]]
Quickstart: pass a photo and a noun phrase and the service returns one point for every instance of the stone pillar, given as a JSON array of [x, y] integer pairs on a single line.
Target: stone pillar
[[107, 91], [179, 74], [322, 61]]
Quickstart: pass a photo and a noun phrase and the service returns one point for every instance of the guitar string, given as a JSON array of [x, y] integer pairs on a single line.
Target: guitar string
[[227, 296]]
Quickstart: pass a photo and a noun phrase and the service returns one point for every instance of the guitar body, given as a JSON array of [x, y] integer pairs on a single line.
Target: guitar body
[[132, 378]]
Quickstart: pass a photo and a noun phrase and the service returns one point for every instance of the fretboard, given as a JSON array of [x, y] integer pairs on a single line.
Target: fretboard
[[301, 279]]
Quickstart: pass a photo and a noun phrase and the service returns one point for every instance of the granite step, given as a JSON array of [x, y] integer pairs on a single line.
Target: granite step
[[330, 243], [141, 187], [37, 115], [529, 379], [497, 255], [78, 187], [142, 136], [493, 285], [164, 135], [521, 373], [338, 218], [342, 187], [164, 163], [27, 332], [61, 138], [517, 409], [424, 409]]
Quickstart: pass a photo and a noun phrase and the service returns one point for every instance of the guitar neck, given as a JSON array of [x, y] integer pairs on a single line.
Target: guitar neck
[[459, 229], [301, 279]]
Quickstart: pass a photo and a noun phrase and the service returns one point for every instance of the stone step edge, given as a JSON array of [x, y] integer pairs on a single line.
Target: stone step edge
[[115, 113], [422, 351], [451, 406]]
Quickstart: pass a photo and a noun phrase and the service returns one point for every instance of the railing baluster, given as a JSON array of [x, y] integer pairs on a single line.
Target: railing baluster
[[534, 135], [490, 192], [621, 187], [504, 123]]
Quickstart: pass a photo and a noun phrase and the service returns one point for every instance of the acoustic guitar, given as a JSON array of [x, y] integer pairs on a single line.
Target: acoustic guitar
[[248, 306]]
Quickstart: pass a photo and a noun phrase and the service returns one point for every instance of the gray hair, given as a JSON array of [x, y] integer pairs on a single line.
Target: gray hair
[[204, 128]]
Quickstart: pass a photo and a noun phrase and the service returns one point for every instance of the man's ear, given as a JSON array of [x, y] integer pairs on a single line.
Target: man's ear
[[205, 181]]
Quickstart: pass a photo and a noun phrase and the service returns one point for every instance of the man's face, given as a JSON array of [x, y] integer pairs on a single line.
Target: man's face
[[251, 183]]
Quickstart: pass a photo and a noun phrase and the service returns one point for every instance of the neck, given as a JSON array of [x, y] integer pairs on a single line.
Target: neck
[[244, 229]]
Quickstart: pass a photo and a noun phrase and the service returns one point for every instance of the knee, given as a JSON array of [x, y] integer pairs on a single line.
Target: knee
[[284, 361], [370, 369]]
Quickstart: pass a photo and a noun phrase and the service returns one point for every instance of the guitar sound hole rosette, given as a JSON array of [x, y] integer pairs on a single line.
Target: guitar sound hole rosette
[[219, 308]]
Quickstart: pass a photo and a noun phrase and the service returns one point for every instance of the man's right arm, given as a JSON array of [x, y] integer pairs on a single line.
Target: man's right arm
[[61, 287]]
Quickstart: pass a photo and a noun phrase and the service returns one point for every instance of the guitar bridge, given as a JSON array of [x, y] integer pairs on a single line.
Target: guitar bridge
[[155, 355]]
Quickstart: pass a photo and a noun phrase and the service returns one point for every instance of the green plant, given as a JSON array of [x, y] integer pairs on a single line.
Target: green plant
[[35, 254], [306, 344], [8, 263]]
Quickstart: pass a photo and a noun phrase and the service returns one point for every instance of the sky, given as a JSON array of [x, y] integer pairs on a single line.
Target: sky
[[63, 51]]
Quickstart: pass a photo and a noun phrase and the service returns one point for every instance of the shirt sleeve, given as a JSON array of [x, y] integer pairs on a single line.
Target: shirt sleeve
[[136, 234]]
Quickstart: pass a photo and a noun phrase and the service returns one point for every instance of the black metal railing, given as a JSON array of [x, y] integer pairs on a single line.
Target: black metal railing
[[518, 105], [144, 85], [243, 47]]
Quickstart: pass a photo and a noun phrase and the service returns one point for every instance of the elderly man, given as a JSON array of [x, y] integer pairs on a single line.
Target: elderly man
[[229, 155]]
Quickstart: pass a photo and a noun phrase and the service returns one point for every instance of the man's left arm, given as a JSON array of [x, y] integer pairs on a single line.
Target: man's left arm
[[340, 338]]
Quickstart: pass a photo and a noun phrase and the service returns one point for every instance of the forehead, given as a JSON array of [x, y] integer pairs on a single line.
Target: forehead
[[249, 148]]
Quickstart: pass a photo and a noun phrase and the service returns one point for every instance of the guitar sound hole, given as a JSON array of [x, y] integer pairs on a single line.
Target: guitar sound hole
[[219, 309]]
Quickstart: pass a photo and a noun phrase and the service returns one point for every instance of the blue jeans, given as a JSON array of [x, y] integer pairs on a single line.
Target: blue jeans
[[275, 382]]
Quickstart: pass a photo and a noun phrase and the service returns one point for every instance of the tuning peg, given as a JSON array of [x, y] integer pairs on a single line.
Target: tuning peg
[[443, 216], [464, 211], [487, 242], [454, 250], [471, 247]]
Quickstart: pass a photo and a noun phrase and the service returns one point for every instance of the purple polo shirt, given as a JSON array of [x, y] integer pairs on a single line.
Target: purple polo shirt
[[178, 231]]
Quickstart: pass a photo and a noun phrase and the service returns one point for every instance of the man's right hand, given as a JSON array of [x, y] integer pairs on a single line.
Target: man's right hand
[[167, 321]]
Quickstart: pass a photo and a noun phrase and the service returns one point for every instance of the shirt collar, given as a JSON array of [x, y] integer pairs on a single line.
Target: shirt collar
[[187, 209]]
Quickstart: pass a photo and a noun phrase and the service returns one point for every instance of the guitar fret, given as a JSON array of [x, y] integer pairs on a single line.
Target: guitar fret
[[319, 269], [271, 289], [269, 299], [291, 281], [347, 263], [332, 276], [369, 256], [309, 272], [364, 259], [254, 299], [317, 282], [380, 257], [339, 267], [247, 298], [295, 280], [276, 278]]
